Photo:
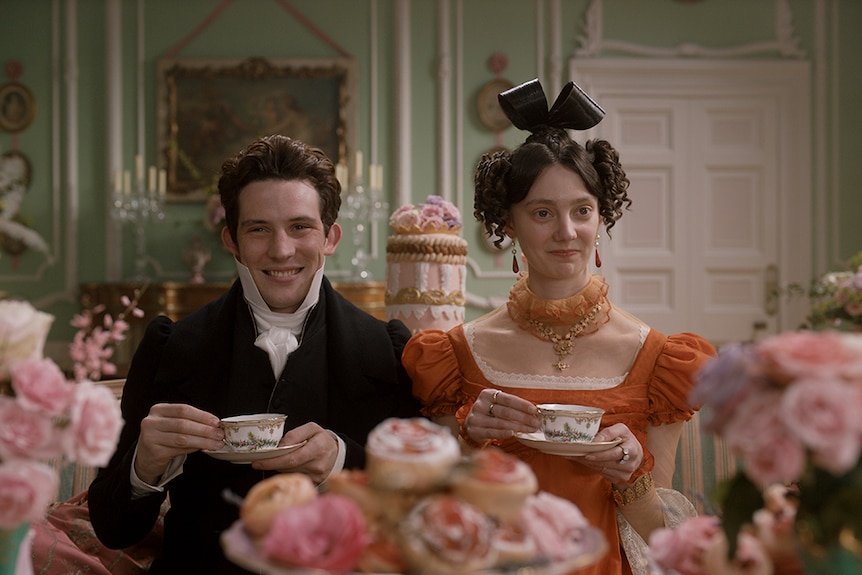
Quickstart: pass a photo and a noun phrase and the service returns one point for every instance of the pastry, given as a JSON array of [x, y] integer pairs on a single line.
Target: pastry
[[496, 482], [557, 526], [412, 455], [269, 496], [328, 533], [445, 534]]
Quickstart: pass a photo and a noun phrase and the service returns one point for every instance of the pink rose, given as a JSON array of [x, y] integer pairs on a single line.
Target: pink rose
[[757, 431], [25, 434], [823, 414], [796, 354], [682, 548], [26, 490], [326, 533], [95, 422], [41, 386]]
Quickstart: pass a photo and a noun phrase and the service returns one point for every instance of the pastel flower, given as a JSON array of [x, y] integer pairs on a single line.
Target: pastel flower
[[95, 422], [40, 386], [25, 434], [823, 413], [771, 453], [23, 331], [723, 383], [795, 354], [26, 490]]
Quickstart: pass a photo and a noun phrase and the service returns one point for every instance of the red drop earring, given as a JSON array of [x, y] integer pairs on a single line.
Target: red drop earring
[[515, 267], [598, 259]]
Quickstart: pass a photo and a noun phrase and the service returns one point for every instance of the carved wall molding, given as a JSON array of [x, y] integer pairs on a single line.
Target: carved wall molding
[[785, 43]]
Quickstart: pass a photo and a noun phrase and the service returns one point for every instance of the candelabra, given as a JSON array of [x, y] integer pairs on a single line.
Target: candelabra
[[137, 203], [363, 206]]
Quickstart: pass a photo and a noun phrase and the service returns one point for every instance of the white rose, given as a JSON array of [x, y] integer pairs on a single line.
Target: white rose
[[23, 331]]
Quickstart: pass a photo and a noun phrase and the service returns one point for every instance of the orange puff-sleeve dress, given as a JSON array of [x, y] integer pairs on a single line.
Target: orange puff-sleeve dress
[[448, 376]]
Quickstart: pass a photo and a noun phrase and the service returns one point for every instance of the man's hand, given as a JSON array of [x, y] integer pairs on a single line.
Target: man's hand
[[314, 459], [172, 429]]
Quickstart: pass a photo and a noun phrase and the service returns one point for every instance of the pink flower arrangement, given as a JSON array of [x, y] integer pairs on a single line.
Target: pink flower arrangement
[[698, 547], [789, 407], [43, 414]]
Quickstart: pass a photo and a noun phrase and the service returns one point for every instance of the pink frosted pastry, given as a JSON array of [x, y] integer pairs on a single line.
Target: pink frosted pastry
[[557, 526], [445, 534], [413, 455], [496, 482], [270, 496], [326, 533]]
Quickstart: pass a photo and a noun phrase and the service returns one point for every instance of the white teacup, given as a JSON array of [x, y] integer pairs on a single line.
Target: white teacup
[[570, 423], [253, 432]]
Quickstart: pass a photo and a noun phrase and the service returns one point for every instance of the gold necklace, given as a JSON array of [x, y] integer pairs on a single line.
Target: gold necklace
[[563, 344]]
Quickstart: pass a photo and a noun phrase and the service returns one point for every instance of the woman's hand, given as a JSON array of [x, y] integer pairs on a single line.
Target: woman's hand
[[617, 463], [499, 415]]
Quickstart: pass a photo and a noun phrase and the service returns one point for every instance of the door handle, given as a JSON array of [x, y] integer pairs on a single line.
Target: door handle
[[772, 291]]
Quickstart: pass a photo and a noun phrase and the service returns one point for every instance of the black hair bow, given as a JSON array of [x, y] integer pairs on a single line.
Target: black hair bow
[[527, 107]]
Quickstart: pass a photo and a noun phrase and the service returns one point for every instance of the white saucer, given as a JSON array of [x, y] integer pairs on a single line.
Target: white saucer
[[537, 440], [249, 456]]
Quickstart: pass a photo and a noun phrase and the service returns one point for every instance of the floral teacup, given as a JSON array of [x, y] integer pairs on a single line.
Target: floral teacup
[[253, 432], [570, 423]]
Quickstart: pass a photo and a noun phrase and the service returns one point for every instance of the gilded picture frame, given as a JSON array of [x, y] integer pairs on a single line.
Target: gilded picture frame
[[17, 107], [210, 109]]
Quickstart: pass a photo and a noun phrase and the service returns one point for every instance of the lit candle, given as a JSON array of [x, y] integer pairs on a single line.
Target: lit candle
[[374, 175], [341, 175], [163, 182], [379, 177], [358, 165], [127, 182], [152, 180]]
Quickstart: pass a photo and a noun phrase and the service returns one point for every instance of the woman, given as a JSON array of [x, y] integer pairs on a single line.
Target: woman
[[559, 340]]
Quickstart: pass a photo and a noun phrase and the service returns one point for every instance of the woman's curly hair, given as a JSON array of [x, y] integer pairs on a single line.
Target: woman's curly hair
[[504, 178]]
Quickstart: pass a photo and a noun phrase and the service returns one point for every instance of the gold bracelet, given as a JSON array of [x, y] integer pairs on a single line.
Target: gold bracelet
[[635, 491]]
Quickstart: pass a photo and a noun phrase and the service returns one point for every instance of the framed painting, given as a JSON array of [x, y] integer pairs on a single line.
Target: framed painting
[[210, 109]]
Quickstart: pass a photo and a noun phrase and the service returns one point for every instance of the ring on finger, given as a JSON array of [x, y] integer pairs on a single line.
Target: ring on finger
[[626, 455], [494, 397], [491, 410]]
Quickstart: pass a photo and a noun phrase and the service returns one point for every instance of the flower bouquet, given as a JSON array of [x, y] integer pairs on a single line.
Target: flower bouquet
[[789, 407], [44, 415], [836, 299]]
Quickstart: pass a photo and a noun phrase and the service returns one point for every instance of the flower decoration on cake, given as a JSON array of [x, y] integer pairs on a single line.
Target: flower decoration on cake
[[435, 216]]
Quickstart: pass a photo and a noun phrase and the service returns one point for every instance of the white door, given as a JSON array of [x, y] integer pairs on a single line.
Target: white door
[[716, 191]]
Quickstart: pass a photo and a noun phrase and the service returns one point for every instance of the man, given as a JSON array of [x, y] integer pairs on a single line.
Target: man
[[280, 340]]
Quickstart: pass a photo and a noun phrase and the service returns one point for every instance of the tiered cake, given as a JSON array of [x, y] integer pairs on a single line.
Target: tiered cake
[[426, 270]]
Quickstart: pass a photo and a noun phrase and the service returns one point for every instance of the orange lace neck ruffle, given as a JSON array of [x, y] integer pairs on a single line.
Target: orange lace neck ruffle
[[524, 306]]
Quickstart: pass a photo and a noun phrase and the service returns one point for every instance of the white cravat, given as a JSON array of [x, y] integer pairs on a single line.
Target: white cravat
[[277, 333]]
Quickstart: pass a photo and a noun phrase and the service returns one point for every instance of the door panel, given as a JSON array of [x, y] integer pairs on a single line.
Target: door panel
[[693, 252], [719, 161]]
